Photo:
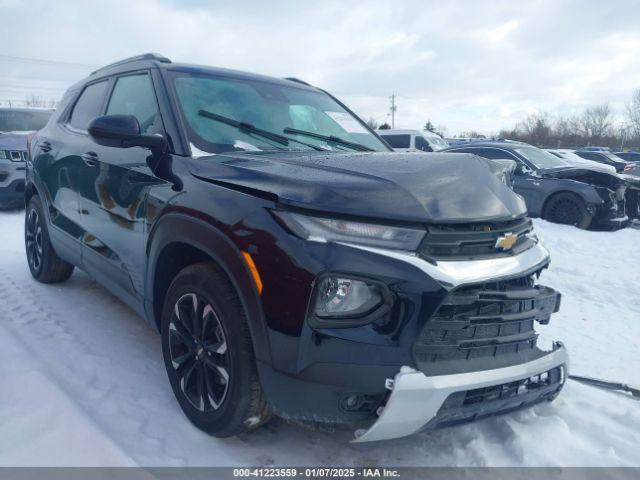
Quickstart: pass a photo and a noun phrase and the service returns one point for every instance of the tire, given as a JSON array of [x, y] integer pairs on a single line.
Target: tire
[[568, 209], [210, 361], [44, 264]]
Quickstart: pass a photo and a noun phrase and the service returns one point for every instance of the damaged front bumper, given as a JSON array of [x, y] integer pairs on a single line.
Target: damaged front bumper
[[416, 399]]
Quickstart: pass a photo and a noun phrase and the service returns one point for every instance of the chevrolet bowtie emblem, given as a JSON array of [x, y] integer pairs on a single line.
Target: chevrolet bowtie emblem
[[507, 241]]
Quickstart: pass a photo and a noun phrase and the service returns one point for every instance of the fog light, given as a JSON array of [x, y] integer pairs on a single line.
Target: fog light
[[345, 297]]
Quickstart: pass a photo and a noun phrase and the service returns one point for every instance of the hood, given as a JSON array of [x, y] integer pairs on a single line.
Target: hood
[[585, 175], [13, 140], [425, 188]]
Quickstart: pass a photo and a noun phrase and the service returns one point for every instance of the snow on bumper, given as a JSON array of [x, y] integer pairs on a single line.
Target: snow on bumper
[[416, 399]]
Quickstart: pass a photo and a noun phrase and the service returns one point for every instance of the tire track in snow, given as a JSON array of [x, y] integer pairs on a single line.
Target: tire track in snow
[[31, 321]]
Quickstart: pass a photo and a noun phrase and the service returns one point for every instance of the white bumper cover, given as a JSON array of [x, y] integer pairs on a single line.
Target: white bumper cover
[[416, 398]]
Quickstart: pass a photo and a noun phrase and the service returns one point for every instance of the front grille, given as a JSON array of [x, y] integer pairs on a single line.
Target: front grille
[[462, 407], [485, 326], [470, 241]]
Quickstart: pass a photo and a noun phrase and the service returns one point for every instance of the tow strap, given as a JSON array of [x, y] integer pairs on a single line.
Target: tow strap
[[607, 385]]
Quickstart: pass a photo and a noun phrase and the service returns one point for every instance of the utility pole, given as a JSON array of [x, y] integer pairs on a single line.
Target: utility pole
[[393, 110]]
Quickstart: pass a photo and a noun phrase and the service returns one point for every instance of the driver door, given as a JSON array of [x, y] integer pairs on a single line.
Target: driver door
[[114, 210]]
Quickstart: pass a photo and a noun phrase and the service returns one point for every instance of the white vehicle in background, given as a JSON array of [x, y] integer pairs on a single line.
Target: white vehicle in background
[[575, 160], [413, 140]]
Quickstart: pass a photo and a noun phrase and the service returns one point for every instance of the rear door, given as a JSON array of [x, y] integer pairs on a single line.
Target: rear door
[[115, 208], [59, 162]]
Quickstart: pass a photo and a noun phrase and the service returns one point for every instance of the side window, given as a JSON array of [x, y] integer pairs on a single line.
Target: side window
[[422, 144], [88, 105], [591, 156], [133, 95], [398, 141], [496, 154]]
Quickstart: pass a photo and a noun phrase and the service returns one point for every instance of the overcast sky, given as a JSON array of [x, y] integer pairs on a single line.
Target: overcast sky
[[465, 65]]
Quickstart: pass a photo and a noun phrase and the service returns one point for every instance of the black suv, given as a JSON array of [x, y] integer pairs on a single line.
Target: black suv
[[292, 262]]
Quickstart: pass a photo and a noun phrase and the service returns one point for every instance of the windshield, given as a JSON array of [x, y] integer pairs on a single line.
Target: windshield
[[226, 114], [612, 156], [539, 158], [23, 120], [436, 141], [569, 156]]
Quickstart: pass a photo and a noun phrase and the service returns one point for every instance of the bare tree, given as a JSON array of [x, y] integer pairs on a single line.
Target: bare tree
[[37, 101], [633, 113], [536, 127], [597, 122], [372, 123]]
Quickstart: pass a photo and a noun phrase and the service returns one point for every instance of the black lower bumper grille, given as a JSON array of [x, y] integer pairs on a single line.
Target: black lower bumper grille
[[462, 407], [485, 326]]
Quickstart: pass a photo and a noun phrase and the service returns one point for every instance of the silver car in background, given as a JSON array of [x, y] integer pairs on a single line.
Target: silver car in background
[[15, 125]]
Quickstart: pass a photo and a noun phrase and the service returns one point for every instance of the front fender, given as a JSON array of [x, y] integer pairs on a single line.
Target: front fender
[[586, 192], [177, 227]]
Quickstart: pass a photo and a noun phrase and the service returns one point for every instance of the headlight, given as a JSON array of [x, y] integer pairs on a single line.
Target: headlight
[[3, 154], [320, 229]]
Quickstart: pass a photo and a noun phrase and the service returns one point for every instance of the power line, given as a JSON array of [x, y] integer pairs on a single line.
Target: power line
[[42, 61]]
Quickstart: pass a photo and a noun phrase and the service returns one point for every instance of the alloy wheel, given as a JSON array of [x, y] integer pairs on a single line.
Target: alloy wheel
[[34, 239], [199, 353], [566, 211]]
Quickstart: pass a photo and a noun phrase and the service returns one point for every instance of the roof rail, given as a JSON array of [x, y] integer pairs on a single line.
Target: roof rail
[[145, 56], [297, 80]]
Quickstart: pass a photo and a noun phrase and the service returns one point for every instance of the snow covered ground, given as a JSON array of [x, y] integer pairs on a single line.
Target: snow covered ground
[[82, 380]]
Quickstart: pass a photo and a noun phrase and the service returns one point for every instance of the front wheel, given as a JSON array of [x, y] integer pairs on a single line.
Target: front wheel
[[568, 209], [208, 353], [44, 264]]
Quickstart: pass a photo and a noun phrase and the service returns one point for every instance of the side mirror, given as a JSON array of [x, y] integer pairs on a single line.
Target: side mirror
[[522, 169], [123, 131]]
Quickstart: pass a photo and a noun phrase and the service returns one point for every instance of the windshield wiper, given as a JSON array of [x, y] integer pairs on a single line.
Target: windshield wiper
[[330, 138], [248, 127]]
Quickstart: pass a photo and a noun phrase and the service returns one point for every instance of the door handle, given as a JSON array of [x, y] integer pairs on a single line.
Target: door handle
[[45, 146], [90, 158]]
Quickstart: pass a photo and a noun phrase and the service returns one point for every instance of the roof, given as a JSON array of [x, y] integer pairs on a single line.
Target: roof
[[156, 60], [398, 131], [26, 109], [504, 144]]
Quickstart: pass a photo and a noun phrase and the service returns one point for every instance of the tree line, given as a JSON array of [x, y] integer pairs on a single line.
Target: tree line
[[594, 126]]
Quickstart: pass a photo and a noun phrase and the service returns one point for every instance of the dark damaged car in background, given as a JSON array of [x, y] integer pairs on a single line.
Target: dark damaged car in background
[[559, 192], [292, 262], [15, 125]]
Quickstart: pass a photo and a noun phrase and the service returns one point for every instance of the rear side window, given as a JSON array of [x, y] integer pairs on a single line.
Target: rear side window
[[88, 106], [134, 95], [398, 141], [591, 156]]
